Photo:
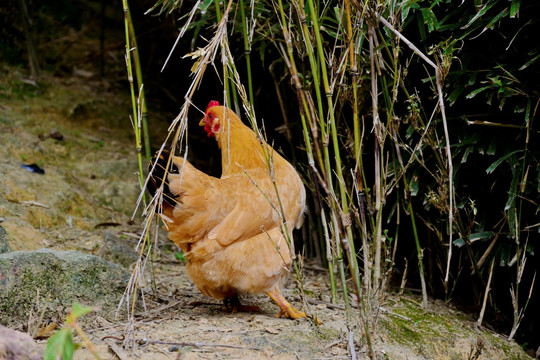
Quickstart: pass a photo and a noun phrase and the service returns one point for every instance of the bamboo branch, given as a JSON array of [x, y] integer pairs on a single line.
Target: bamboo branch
[[447, 137]]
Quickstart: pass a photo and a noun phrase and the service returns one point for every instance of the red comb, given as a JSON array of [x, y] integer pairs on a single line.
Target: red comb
[[212, 104]]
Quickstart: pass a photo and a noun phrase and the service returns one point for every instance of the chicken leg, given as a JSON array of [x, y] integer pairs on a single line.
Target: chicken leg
[[233, 305], [287, 309]]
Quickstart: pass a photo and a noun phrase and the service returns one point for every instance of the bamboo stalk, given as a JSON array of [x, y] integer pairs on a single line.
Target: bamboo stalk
[[247, 51], [333, 133], [140, 86], [420, 254], [136, 119]]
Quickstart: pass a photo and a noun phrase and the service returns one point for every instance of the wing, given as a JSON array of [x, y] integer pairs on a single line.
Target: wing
[[227, 209]]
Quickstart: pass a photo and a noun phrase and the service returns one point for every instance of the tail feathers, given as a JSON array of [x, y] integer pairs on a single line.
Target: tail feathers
[[159, 172]]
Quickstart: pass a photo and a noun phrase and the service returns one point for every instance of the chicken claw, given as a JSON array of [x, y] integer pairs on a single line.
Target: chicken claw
[[287, 309], [233, 305]]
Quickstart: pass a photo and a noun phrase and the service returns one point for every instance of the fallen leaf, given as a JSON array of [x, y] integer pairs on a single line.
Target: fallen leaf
[[45, 331]]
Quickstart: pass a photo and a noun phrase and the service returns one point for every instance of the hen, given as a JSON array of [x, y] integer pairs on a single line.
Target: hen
[[233, 230]]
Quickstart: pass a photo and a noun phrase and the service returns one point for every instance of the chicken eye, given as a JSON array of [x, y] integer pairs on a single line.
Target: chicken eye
[[211, 116]]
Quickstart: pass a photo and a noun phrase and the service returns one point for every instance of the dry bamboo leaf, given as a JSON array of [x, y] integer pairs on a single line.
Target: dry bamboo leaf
[[45, 331]]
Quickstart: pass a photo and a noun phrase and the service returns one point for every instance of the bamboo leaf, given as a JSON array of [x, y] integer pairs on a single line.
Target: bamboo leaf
[[482, 235], [479, 14], [496, 19], [430, 19], [538, 183], [530, 62], [454, 95], [514, 8], [512, 192], [468, 150], [477, 91], [498, 162], [511, 214], [492, 147]]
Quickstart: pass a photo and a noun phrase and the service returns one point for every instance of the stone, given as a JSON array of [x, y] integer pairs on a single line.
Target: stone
[[117, 250], [17, 345], [49, 281], [4, 244]]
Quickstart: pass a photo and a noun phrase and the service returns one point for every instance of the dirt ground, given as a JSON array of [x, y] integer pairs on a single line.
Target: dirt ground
[[90, 187]]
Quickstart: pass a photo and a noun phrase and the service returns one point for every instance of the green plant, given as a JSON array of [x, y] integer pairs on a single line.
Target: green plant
[[61, 344]]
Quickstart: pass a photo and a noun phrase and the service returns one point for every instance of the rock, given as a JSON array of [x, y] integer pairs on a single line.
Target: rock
[[18, 345], [50, 281], [117, 250], [4, 244]]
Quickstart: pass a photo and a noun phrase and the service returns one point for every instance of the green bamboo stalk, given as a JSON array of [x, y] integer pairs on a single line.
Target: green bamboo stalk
[[304, 111], [139, 77], [225, 71], [329, 257], [289, 59], [353, 263], [420, 255], [327, 168], [137, 129], [354, 72], [247, 51]]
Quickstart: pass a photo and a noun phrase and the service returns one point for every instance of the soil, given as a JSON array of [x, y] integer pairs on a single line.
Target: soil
[[90, 187]]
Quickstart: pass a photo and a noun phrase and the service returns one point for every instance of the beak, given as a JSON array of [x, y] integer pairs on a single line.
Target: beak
[[202, 123]]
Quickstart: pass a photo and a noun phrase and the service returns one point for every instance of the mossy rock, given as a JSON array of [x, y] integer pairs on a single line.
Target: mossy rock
[[4, 244], [50, 281], [118, 250]]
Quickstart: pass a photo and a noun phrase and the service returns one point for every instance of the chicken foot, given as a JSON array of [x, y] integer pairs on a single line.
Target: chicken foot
[[233, 305], [287, 309]]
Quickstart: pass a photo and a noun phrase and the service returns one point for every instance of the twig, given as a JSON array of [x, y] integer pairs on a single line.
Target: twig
[[334, 343], [196, 344], [402, 317], [350, 346], [159, 309], [481, 317], [117, 350], [35, 203]]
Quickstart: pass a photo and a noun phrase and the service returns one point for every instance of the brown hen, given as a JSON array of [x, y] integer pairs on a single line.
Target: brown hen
[[233, 230]]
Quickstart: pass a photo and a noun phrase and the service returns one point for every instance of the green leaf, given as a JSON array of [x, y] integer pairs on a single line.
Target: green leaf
[[530, 62], [511, 213], [498, 162], [492, 147], [180, 257], [500, 15], [481, 235], [538, 183], [512, 191], [421, 29], [479, 14], [430, 19], [459, 242], [468, 150], [414, 186], [454, 95], [477, 91], [78, 310], [60, 345], [514, 8]]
